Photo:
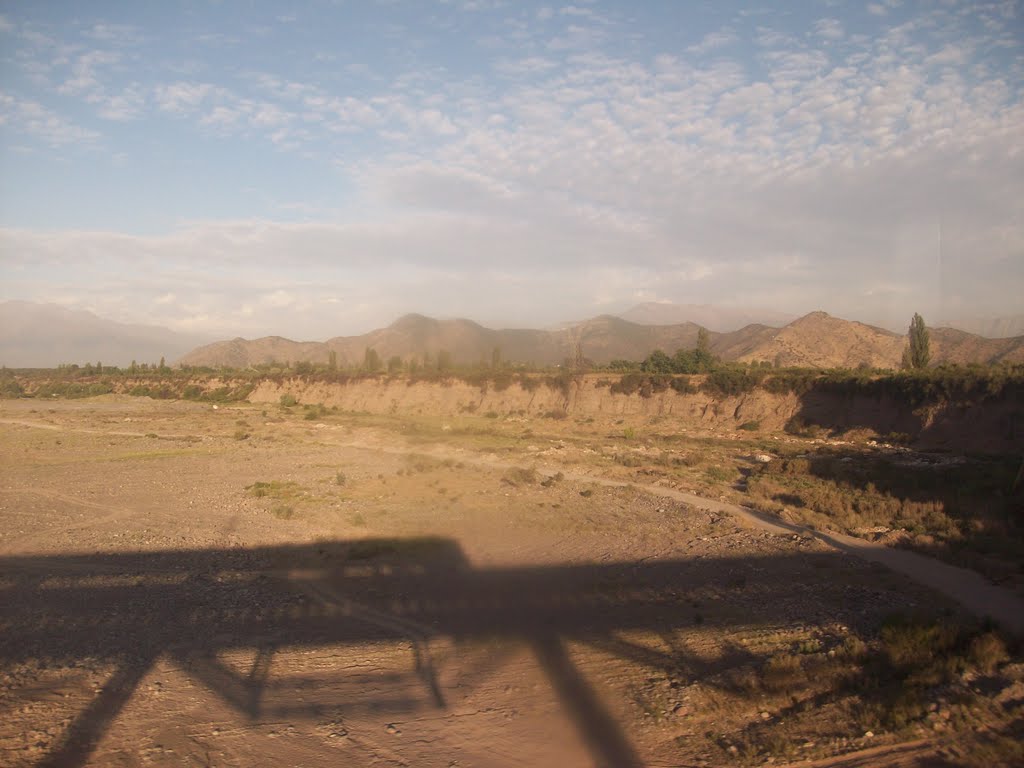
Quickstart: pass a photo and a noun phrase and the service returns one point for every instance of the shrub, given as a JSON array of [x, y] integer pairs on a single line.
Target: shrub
[[730, 382], [192, 392], [517, 476], [288, 400], [718, 474], [987, 651], [628, 460]]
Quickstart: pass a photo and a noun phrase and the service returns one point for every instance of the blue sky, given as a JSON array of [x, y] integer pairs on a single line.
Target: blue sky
[[315, 169]]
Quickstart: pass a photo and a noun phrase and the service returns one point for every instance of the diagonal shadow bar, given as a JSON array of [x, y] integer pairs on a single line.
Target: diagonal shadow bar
[[88, 728], [601, 733]]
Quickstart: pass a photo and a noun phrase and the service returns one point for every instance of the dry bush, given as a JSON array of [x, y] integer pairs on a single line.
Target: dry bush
[[987, 651], [518, 476]]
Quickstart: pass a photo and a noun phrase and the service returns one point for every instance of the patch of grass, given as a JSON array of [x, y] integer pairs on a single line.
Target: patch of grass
[[340, 478], [288, 400], [629, 459], [718, 474], [750, 426], [275, 489], [315, 412], [283, 512], [783, 672], [241, 434]]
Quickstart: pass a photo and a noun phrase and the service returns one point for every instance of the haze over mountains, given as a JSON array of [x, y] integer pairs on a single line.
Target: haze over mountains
[[40, 335], [46, 335], [713, 317]]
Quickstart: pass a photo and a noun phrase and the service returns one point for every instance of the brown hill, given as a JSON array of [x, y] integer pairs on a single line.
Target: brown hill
[[815, 340], [949, 345], [819, 340]]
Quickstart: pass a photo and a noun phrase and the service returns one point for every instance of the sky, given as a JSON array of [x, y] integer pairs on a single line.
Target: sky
[[320, 168]]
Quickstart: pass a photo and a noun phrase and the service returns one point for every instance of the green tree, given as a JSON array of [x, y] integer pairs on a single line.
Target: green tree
[[444, 360], [394, 364], [371, 360], [918, 354], [657, 362], [702, 352], [496, 358], [332, 360]]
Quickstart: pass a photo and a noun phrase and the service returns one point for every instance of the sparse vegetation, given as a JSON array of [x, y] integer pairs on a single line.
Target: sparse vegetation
[[965, 511]]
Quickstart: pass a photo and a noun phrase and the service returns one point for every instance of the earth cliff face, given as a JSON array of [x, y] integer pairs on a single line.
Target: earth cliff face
[[995, 425]]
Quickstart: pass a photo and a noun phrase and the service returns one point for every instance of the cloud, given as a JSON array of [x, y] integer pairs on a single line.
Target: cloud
[[807, 170], [830, 29], [32, 119], [713, 41]]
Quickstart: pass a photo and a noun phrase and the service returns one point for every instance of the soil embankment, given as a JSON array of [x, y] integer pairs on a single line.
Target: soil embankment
[[993, 425]]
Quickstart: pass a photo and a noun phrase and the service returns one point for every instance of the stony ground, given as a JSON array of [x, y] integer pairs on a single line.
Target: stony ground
[[252, 585]]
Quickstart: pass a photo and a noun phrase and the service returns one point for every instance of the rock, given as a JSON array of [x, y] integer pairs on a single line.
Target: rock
[[766, 716], [392, 729], [763, 458], [869, 735]]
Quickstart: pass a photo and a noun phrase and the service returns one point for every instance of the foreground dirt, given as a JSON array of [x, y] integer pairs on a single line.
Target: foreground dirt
[[184, 585]]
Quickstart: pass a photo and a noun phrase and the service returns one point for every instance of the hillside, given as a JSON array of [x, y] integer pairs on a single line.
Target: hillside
[[950, 345], [815, 340], [819, 340], [46, 335]]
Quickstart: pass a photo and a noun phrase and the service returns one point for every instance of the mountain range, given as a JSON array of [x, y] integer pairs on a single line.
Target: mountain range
[[45, 335], [815, 340]]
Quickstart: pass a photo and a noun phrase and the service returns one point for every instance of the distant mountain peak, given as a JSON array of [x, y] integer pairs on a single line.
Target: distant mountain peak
[[34, 335], [721, 319]]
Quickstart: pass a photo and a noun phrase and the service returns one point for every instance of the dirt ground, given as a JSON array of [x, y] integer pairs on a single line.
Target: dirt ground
[[184, 584]]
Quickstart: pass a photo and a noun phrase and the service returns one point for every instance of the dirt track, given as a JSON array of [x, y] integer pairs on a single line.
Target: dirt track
[[425, 612]]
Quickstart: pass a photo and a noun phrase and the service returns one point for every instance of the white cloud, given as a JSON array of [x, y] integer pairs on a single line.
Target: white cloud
[[830, 29], [183, 98], [34, 120], [713, 41]]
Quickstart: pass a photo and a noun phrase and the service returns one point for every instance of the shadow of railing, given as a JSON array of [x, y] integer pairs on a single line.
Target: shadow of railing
[[130, 609]]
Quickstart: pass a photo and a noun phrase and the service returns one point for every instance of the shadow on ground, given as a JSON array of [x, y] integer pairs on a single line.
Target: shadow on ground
[[129, 609]]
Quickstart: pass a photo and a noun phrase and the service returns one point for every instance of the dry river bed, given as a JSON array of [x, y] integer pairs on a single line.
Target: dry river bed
[[184, 585]]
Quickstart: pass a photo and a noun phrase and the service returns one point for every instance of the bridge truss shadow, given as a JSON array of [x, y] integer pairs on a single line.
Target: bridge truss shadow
[[130, 609]]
